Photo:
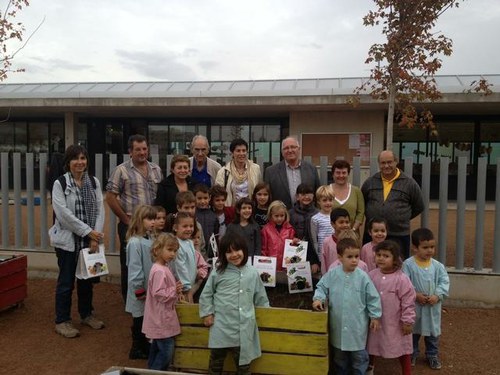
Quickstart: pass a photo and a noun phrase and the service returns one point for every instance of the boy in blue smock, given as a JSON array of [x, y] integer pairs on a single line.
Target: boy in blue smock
[[431, 282], [353, 306]]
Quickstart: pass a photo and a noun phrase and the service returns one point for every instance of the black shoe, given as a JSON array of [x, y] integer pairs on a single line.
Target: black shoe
[[434, 363], [136, 353]]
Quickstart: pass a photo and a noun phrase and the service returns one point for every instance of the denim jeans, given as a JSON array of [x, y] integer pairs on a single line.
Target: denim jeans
[[66, 260], [161, 353], [431, 346], [217, 357], [355, 362]]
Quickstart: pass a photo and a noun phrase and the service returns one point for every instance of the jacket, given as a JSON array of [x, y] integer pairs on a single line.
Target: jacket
[[66, 223], [167, 190], [300, 220], [276, 177], [403, 203], [251, 234], [212, 168], [273, 242], [254, 177], [139, 265], [210, 225]]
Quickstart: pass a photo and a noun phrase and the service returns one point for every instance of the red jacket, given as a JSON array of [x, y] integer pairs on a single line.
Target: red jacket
[[273, 242]]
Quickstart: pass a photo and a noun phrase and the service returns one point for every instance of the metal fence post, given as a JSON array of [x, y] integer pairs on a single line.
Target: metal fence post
[[480, 205]]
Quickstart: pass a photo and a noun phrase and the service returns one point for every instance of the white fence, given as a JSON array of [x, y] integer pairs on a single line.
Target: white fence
[[26, 212]]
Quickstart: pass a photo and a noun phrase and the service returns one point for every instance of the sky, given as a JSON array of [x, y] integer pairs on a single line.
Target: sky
[[207, 40]]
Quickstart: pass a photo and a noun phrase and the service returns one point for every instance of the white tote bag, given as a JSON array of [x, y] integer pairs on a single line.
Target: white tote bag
[[91, 264]]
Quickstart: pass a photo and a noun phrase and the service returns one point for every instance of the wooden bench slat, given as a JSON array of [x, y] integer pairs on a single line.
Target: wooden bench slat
[[270, 341], [295, 343], [292, 319], [267, 364], [275, 318]]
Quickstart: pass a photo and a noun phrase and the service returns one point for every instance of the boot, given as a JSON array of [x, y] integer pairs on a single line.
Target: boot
[[137, 349]]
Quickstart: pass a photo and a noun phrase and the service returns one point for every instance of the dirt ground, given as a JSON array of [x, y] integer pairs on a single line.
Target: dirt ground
[[29, 345]]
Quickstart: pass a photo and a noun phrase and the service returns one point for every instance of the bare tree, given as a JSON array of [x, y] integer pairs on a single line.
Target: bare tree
[[10, 33], [406, 63]]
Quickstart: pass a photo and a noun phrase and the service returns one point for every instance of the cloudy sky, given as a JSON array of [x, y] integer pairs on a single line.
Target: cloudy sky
[[154, 40]]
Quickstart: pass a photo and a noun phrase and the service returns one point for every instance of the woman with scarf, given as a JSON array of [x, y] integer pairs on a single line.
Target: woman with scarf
[[240, 175], [79, 219]]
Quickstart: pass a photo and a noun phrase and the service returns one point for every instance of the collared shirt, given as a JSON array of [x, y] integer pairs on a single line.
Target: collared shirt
[[201, 176], [294, 179], [389, 183], [132, 187]]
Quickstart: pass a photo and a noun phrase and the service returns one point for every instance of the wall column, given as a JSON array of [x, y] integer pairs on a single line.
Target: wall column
[[70, 128]]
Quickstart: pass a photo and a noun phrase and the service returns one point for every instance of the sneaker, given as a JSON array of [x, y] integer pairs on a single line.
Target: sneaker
[[93, 322], [413, 360], [66, 329], [434, 363]]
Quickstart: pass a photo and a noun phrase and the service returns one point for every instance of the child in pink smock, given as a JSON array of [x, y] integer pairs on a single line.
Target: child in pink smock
[[160, 318], [341, 222], [377, 229], [393, 339]]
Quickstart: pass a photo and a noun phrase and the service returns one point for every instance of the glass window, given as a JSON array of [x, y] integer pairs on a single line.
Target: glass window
[[7, 132], [56, 137], [404, 134], [180, 138], [158, 143], [81, 135], [20, 137], [38, 140], [221, 136]]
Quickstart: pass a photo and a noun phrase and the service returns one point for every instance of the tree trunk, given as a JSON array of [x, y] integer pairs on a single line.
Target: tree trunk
[[390, 117]]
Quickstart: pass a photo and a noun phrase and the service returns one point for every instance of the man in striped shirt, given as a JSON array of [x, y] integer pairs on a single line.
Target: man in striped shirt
[[132, 183]]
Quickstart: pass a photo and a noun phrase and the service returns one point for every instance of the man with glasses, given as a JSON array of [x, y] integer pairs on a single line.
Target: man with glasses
[[203, 169], [288, 174]]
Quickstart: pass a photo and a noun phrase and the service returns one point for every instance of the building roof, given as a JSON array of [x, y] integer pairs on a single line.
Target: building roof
[[192, 89]]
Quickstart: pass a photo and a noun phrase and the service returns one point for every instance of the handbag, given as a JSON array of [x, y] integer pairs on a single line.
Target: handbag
[[91, 264]]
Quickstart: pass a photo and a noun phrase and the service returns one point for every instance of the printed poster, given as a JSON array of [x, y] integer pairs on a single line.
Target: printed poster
[[299, 278], [294, 254], [266, 266]]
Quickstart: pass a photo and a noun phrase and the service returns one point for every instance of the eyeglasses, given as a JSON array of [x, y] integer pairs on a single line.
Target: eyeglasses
[[200, 150], [290, 148]]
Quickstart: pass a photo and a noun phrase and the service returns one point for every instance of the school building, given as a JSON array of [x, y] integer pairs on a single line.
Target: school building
[[46, 117]]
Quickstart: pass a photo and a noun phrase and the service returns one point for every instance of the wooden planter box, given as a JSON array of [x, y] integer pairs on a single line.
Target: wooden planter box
[[293, 342], [13, 278]]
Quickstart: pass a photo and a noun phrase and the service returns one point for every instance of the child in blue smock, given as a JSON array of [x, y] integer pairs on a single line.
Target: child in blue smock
[[227, 306], [431, 283], [353, 306], [139, 263]]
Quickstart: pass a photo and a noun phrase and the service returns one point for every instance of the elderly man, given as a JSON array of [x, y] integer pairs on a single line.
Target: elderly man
[[395, 197], [203, 169], [132, 183], [284, 177]]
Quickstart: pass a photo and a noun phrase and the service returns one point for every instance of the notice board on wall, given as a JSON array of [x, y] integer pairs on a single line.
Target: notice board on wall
[[337, 146]]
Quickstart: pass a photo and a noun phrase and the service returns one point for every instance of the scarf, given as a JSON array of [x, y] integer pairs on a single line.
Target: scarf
[[89, 201], [237, 177]]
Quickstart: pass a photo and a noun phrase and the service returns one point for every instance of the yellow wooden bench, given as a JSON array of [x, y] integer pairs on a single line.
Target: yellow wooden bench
[[292, 342]]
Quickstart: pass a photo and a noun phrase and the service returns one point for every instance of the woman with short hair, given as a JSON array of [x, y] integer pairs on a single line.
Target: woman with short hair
[[240, 175]]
